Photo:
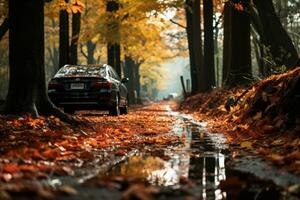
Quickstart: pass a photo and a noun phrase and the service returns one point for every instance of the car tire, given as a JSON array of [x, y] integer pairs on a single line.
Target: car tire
[[115, 110], [68, 110], [124, 109]]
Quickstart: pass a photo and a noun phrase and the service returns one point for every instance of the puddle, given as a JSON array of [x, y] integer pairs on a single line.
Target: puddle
[[202, 159]]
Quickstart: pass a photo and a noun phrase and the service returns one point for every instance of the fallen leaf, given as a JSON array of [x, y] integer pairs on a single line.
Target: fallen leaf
[[294, 155], [6, 177], [294, 188], [246, 144], [139, 191], [10, 168], [276, 157], [257, 116], [66, 189]]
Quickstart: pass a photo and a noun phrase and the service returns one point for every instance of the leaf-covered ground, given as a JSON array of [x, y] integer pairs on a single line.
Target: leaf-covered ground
[[265, 121], [37, 150]]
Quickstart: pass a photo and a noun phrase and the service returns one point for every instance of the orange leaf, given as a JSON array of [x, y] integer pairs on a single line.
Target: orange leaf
[[11, 168]]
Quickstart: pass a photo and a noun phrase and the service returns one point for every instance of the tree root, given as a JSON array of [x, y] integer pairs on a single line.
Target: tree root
[[48, 109]]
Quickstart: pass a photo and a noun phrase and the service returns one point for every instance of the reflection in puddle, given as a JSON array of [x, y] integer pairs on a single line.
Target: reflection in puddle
[[199, 159], [153, 169]]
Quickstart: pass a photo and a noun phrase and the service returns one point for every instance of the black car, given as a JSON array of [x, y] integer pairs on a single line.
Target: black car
[[80, 87]]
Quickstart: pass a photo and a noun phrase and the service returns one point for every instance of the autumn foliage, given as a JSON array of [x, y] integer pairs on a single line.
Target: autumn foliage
[[43, 148], [265, 119]]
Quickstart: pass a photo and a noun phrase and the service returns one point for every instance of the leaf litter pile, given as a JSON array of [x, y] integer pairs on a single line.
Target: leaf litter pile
[[263, 119], [32, 150]]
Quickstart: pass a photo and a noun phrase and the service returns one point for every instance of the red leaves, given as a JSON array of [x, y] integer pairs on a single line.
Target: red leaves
[[35, 147], [10, 168]]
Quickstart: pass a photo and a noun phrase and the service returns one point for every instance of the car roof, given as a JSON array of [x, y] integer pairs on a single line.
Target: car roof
[[89, 65]]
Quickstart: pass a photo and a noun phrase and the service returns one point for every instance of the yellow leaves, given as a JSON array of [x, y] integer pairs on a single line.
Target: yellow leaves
[[75, 6], [246, 144]]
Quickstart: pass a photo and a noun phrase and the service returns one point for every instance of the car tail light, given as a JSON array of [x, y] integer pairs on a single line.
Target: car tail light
[[106, 84], [54, 84]]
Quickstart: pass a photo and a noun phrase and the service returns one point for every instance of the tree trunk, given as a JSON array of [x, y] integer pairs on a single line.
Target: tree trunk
[[111, 55], [209, 60], [129, 71], [195, 45], [114, 49], [226, 41], [189, 30], [63, 38], [91, 51], [281, 46], [75, 38], [240, 71], [4, 28], [137, 82], [118, 59], [27, 92]]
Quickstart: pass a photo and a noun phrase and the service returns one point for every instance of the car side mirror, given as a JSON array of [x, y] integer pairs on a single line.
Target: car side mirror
[[125, 80]]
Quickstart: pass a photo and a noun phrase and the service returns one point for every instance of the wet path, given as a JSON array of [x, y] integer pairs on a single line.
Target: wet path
[[200, 163], [197, 169]]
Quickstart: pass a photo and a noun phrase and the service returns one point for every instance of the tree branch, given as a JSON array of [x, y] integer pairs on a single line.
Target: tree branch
[[82, 52], [176, 23]]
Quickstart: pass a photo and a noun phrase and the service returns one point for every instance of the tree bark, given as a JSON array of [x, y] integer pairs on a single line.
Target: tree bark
[[27, 92], [75, 38], [114, 49], [4, 28], [118, 59], [90, 52], [239, 71], [281, 46], [63, 38], [209, 60], [137, 82], [195, 45], [226, 41], [129, 72]]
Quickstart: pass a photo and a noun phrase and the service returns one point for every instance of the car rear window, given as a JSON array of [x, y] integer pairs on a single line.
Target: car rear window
[[81, 71]]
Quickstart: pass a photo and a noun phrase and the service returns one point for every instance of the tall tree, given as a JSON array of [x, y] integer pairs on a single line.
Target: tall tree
[[226, 40], [63, 37], [274, 35], [238, 48], [209, 60], [129, 72], [27, 85], [195, 45], [113, 48], [75, 37]]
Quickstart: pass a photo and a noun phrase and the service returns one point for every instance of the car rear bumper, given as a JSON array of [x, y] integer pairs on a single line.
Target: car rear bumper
[[83, 100]]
